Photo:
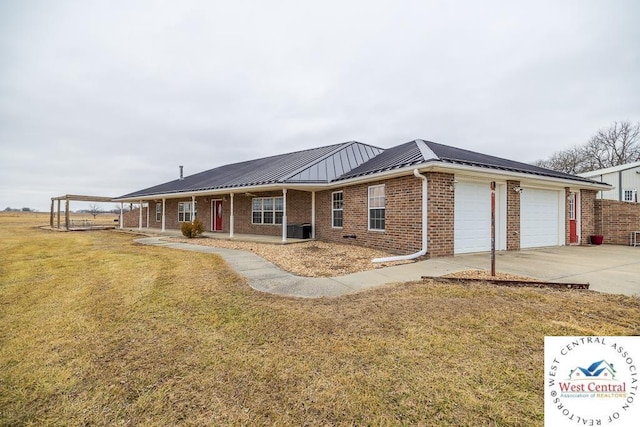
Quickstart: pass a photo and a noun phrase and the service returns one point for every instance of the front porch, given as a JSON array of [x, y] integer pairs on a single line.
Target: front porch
[[255, 238]]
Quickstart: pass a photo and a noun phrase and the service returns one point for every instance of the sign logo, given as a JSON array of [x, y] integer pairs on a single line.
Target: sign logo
[[591, 381]]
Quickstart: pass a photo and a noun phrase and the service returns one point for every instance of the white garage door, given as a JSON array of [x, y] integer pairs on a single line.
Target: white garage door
[[539, 218], [472, 217]]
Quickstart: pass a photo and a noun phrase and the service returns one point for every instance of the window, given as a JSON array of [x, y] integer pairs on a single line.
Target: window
[[267, 210], [184, 211], [337, 202], [572, 207], [376, 207], [158, 212], [629, 195]]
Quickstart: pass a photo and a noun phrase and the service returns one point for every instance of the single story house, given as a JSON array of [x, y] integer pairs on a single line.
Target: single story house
[[625, 180], [417, 198]]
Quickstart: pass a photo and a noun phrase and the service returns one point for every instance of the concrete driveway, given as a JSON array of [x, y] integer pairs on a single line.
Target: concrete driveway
[[611, 269], [607, 268]]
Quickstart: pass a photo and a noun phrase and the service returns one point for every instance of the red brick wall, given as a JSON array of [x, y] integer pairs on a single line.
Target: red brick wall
[[587, 212], [616, 220], [440, 214], [402, 234], [513, 216], [132, 217]]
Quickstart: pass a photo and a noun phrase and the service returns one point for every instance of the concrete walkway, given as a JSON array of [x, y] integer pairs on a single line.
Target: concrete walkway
[[612, 269]]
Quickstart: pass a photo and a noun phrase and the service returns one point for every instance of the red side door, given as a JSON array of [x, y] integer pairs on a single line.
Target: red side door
[[573, 224], [216, 215]]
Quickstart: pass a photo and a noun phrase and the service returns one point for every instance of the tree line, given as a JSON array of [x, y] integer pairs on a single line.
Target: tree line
[[615, 145]]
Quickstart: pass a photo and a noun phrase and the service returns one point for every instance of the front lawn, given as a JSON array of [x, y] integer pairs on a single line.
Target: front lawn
[[97, 330]]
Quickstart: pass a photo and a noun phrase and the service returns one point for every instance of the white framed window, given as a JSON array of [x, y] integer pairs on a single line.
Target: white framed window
[[184, 211], [158, 212], [629, 195], [572, 207], [337, 203], [267, 210], [376, 207]]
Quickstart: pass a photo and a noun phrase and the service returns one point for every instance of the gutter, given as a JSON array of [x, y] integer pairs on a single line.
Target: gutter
[[423, 251]]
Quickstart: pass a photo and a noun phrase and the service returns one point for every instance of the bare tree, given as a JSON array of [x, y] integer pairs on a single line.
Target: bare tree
[[94, 209], [616, 145], [571, 160]]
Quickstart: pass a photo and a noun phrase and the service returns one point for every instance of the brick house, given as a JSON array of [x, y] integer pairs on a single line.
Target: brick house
[[415, 198]]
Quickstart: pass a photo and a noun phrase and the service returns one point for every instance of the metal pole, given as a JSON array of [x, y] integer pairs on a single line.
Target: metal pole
[[493, 228]]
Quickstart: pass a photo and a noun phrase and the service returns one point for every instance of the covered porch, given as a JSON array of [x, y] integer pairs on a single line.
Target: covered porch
[[271, 215], [254, 238]]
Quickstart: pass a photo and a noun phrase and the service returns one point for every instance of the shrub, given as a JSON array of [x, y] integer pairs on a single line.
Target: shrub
[[192, 229]]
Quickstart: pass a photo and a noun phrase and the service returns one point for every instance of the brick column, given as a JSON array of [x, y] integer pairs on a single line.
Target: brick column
[[513, 216], [440, 214]]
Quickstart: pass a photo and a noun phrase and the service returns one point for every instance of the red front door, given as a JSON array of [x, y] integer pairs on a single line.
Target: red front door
[[573, 226], [216, 215]]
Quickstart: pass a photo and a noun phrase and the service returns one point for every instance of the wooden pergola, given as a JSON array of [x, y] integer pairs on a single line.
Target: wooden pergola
[[76, 198]]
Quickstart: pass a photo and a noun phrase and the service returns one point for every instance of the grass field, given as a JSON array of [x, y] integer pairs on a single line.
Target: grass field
[[97, 330]]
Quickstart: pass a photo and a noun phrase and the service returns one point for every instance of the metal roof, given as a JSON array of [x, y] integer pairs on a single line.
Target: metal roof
[[413, 153], [334, 163], [316, 165], [612, 169]]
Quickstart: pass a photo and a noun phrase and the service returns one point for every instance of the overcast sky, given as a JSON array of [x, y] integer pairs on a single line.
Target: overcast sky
[[108, 97]]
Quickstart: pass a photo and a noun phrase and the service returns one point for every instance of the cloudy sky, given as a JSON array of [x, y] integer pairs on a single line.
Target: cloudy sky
[[108, 97]]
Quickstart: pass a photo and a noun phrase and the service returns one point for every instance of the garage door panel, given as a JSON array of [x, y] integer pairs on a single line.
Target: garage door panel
[[472, 217], [539, 218]]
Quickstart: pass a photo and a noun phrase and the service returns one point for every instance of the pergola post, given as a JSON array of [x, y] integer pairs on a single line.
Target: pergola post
[[51, 215], [231, 217], [58, 213], [284, 215], [140, 217], [66, 213]]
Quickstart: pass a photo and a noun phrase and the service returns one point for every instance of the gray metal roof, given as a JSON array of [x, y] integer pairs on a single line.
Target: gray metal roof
[[338, 162], [316, 165], [413, 153]]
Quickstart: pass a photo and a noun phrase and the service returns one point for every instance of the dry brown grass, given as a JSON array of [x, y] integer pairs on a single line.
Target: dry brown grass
[[96, 330]]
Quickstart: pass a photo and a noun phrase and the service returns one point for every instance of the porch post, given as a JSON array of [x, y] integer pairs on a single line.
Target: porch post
[[313, 214], [193, 208], [121, 214], [148, 209], [66, 213], [231, 217], [58, 213], [51, 215], [163, 213], [284, 214], [140, 217]]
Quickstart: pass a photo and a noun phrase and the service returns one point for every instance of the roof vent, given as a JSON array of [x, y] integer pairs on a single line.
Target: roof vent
[[181, 172]]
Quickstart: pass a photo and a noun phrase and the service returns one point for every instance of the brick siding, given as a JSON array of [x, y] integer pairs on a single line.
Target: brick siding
[[513, 216], [616, 220], [403, 216], [587, 212]]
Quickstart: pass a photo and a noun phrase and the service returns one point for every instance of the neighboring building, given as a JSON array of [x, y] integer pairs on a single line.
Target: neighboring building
[[418, 196], [625, 180]]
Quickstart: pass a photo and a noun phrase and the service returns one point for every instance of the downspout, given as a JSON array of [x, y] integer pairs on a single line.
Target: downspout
[[423, 251]]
